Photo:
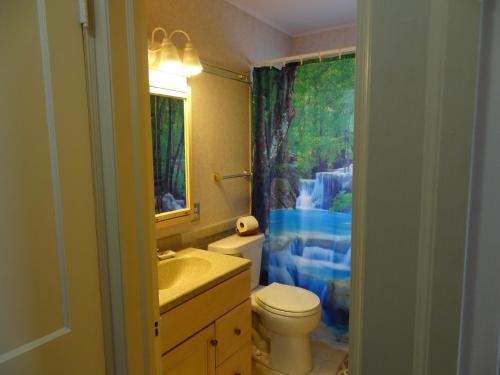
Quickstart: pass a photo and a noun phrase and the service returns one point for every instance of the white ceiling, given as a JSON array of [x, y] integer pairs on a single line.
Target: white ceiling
[[301, 17]]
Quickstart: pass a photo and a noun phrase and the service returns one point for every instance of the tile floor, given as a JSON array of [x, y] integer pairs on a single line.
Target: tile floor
[[323, 333], [327, 359], [327, 356]]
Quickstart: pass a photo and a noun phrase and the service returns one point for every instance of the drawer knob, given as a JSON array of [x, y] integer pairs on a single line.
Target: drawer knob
[[237, 332], [214, 342]]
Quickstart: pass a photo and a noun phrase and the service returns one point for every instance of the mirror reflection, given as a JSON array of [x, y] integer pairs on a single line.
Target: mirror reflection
[[169, 155]]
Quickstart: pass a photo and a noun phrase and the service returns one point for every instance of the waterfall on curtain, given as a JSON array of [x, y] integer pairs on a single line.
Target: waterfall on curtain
[[302, 163]]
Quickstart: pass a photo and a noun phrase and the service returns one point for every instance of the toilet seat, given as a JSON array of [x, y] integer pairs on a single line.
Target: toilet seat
[[287, 300]]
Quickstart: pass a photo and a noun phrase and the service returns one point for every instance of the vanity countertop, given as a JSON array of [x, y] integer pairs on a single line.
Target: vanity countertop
[[192, 272]]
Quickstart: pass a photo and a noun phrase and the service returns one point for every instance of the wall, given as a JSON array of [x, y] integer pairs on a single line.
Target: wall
[[481, 309], [226, 36], [338, 37]]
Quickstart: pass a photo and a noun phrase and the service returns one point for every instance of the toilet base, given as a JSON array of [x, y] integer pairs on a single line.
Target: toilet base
[[290, 354]]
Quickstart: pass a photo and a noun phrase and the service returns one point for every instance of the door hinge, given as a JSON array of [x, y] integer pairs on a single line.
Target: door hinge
[[84, 12], [156, 329]]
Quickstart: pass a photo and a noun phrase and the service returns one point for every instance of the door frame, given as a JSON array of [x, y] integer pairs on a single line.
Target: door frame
[[359, 189], [453, 28], [118, 95]]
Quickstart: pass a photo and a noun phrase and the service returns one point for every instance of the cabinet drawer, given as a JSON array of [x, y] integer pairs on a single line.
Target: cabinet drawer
[[239, 363], [233, 330]]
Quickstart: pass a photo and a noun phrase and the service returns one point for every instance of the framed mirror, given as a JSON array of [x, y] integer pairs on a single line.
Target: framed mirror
[[170, 130]]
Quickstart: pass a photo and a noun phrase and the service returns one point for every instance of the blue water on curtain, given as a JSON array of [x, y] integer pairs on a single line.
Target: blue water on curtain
[[310, 247], [313, 220]]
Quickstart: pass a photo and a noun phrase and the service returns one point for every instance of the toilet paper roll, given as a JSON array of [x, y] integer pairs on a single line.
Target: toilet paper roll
[[247, 225]]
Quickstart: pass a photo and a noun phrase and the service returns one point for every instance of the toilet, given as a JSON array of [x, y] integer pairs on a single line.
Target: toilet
[[284, 315]]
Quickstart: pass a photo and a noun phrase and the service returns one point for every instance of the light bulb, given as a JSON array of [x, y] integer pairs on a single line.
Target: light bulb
[[191, 61], [170, 61]]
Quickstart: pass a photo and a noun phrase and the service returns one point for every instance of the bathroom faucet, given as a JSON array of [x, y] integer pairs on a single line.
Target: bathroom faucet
[[165, 254]]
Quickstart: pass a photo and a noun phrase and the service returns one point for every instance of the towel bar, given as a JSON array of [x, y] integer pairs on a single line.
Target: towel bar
[[218, 177]]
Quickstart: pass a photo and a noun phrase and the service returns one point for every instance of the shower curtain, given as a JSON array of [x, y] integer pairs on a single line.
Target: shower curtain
[[302, 163]]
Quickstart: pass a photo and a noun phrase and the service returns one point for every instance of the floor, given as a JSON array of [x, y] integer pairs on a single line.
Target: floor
[[325, 334], [329, 357]]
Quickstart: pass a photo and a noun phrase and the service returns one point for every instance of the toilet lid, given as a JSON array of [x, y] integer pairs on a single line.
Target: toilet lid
[[288, 299]]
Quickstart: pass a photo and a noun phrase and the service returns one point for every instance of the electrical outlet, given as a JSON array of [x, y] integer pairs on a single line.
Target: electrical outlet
[[196, 211]]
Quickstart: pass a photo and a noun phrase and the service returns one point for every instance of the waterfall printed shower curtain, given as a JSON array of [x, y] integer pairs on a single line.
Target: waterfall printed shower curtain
[[302, 163]]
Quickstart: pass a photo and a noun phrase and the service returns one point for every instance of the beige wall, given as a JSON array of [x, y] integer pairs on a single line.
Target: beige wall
[[332, 39], [223, 35]]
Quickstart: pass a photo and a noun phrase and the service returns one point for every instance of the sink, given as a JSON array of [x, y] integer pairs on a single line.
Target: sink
[[192, 272], [174, 272]]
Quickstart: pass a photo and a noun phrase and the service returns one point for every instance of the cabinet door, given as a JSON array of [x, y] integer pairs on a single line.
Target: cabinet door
[[194, 356]]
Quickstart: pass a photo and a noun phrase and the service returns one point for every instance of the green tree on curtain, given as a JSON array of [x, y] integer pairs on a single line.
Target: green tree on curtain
[[321, 135], [273, 113]]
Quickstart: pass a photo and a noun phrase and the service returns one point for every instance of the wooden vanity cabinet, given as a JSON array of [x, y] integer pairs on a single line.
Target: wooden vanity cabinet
[[210, 333]]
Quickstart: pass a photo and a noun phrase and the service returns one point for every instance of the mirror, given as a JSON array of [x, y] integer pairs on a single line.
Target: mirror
[[170, 135]]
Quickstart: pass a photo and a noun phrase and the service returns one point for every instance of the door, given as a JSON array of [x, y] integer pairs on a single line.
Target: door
[[50, 315], [194, 356]]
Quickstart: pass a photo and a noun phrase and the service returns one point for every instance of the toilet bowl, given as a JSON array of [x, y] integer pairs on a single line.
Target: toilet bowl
[[288, 315], [284, 315]]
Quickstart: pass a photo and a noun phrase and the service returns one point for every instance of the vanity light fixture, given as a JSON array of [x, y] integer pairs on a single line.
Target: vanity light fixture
[[166, 57]]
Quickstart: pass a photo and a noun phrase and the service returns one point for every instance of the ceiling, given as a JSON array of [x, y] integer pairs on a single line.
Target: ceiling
[[301, 17]]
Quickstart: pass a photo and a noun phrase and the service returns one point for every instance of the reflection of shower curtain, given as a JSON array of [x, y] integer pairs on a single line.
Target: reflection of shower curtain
[[302, 164]]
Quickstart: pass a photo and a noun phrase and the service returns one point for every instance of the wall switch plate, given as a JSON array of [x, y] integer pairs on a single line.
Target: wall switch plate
[[196, 211]]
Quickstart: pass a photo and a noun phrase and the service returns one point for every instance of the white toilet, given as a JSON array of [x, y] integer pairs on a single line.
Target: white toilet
[[286, 314]]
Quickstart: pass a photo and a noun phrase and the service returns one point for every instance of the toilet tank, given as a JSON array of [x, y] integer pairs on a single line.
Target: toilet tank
[[248, 247]]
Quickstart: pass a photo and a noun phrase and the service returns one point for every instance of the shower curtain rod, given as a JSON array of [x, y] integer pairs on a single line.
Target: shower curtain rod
[[328, 53]]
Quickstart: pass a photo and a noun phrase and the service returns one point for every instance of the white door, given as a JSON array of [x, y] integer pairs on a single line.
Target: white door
[[50, 313]]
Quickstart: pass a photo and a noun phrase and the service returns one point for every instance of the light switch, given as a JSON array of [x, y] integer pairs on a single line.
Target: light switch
[[196, 211]]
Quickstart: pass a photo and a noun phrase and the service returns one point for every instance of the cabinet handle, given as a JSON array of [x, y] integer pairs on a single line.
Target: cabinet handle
[[237, 332], [237, 373], [214, 342]]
